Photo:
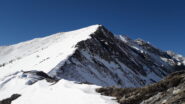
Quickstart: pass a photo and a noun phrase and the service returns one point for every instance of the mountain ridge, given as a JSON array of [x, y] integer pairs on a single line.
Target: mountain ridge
[[101, 39], [91, 55]]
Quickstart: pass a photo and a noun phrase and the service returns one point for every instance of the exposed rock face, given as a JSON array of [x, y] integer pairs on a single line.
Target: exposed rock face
[[34, 76], [109, 60], [10, 99], [170, 90]]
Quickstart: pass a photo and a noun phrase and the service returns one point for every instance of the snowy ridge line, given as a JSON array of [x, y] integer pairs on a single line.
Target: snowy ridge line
[[42, 43], [56, 47]]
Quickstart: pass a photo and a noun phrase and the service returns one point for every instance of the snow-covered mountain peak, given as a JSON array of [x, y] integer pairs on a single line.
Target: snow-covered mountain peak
[[87, 30], [37, 53], [25, 48], [91, 55]]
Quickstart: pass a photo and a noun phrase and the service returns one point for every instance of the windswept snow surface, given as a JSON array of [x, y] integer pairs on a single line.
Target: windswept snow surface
[[63, 92], [43, 53], [12, 84]]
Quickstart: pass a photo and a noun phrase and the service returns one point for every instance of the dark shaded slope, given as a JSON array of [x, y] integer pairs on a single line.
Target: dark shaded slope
[[106, 60]]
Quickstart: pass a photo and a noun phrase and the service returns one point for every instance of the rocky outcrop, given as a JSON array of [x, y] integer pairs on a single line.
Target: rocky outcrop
[[170, 90], [10, 99], [35, 76]]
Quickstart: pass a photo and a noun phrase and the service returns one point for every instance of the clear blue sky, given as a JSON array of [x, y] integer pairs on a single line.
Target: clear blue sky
[[161, 22]]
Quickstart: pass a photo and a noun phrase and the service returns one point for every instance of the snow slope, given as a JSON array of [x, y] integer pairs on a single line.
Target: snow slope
[[43, 92], [42, 53], [62, 92]]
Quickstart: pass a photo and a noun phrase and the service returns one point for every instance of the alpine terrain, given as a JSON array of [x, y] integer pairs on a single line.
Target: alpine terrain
[[68, 67]]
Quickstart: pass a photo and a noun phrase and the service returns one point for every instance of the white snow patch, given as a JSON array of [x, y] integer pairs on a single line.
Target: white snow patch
[[179, 64], [64, 92], [176, 91], [184, 62], [164, 101], [11, 85], [123, 38]]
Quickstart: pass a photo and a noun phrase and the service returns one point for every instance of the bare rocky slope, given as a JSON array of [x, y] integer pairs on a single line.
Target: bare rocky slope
[[170, 90], [109, 60]]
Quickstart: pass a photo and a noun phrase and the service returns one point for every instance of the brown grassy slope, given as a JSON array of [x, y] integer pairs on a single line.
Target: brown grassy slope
[[158, 93]]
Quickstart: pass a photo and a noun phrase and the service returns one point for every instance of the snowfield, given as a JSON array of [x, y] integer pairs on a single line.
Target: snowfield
[[42, 53], [64, 92]]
